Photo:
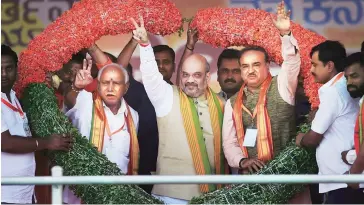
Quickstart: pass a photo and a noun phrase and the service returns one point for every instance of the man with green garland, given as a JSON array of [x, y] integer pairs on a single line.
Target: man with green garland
[[259, 119], [189, 122], [104, 117], [333, 125], [17, 144]]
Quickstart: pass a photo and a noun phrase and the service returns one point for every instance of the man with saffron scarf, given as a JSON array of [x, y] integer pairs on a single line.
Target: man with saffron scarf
[[354, 73], [104, 117], [259, 119], [189, 122]]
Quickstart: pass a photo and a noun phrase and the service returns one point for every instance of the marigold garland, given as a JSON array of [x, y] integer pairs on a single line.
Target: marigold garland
[[83, 24], [224, 27]]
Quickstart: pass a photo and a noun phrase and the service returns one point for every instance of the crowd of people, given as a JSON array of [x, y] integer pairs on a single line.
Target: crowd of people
[[187, 129]]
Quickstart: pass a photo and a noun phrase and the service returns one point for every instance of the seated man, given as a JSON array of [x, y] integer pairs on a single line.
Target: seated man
[[104, 117]]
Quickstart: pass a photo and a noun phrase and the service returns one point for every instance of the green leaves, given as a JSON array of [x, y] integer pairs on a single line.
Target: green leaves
[[292, 160], [40, 104]]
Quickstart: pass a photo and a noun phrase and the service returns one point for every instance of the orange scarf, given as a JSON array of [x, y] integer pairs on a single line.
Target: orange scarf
[[358, 135], [98, 129], [265, 140]]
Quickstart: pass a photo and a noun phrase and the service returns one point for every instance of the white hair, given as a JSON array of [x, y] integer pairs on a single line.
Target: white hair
[[126, 75]]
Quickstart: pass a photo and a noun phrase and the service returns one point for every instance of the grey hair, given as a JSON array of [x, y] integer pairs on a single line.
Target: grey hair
[[126, 75], [207, 66]]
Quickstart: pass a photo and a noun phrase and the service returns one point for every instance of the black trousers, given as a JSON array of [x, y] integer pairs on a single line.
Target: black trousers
[[316, 197], [345, 196]]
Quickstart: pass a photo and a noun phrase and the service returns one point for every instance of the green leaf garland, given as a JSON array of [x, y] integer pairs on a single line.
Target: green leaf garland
[[40, 104], [292, 160]]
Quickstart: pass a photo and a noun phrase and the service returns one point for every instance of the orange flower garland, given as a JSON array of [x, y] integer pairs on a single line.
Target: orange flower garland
[[224, 27], [85, 23]]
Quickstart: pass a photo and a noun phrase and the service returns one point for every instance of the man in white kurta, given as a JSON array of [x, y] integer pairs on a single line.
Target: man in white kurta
[[116, 147]]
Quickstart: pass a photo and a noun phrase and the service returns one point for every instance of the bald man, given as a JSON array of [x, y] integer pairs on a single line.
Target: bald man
[[189, 123], [104, 117]]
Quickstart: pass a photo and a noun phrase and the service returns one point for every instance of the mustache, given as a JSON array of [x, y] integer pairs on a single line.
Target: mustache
[[352, 86], [191, 84], [230, 80]]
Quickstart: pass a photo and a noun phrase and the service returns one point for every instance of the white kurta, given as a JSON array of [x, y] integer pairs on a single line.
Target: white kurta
[[115, 148]]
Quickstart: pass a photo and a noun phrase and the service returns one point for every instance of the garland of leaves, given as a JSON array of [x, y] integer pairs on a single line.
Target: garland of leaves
[[40, 103], [292, 160]]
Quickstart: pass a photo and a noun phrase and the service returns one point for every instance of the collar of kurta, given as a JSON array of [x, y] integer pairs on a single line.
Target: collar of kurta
[[122, 108], [201, 101]]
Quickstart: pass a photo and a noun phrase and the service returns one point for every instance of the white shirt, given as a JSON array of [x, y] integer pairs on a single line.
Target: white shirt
[[16, 165], [159, 91], [117, 149], [335, 119]]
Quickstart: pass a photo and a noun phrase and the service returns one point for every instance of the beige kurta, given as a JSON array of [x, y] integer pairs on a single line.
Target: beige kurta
[[174, 155]]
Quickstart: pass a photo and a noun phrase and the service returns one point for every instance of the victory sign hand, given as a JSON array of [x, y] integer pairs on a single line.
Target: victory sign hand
[[140, 34], [83, 76]]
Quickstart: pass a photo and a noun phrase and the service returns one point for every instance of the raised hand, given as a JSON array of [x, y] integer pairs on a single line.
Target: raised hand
[[192, 37], [140, 34], [283, 21], [83, 76]]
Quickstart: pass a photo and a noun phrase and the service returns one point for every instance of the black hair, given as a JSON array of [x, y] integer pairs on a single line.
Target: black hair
[[77, 58], [255, 48], [352, 59], [227, 54], [112, 57], [7, 51], [362, 54], [161, 48], [331, 51]]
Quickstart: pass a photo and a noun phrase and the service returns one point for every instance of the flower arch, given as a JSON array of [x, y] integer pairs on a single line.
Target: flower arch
[[85, 23], [75, 29], [225, 27]]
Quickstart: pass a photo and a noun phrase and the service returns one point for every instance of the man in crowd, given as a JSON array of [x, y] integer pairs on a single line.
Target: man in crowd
[[164, 56], [189, 122], [354, 73], [228, 73], [62, 80], [104, 117], [137, 98], [17, 144], [259, 119], [333, 126]]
